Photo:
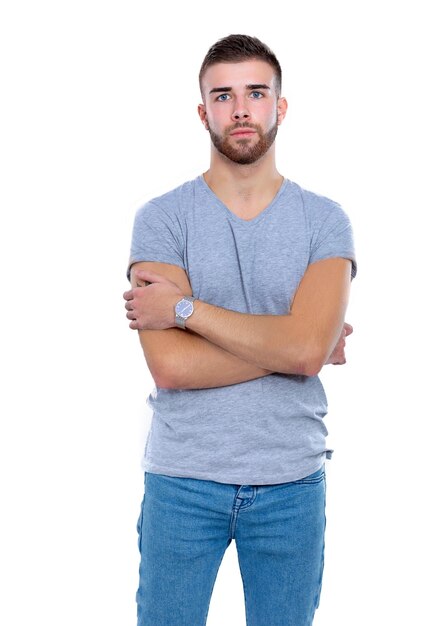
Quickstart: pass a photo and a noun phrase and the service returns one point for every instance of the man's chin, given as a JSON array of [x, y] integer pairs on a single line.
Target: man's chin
[[245, 159], [244, 155]]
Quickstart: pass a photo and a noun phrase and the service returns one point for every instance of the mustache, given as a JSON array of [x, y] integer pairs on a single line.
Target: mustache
[[237, 125]]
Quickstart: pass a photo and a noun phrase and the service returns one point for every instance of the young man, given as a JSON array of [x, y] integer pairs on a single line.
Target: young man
[[240, 283]]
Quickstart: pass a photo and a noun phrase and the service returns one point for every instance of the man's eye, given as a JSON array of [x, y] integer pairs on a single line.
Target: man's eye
[[256, 95], [223, 97]]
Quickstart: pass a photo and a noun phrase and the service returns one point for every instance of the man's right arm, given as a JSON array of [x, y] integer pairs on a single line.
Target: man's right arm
[[180, 359]]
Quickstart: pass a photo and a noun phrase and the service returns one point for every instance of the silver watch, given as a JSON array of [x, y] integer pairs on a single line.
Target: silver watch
[[183, 309]]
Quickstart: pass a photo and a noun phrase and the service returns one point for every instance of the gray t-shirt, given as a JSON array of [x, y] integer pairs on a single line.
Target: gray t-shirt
[[264, 431]]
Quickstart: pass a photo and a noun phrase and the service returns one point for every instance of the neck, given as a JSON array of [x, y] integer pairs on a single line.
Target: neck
[[231, 181]]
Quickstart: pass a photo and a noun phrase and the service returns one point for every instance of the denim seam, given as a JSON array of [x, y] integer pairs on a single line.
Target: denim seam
[[305, 481]]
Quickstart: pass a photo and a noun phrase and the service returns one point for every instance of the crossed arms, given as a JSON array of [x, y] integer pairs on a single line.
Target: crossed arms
[[223, 347]]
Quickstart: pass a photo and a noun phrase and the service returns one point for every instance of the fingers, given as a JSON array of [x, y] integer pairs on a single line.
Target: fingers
[[348, 329], [147, 277], [129, 308], [134, 322], [128, 295], [150, 277], [342, 362]]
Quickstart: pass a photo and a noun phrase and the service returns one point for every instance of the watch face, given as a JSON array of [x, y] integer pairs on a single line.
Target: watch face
[[184, 308]]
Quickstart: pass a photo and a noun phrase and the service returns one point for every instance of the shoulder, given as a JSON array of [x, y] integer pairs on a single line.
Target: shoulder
[[314, 202], [171, 203], [318, 209]]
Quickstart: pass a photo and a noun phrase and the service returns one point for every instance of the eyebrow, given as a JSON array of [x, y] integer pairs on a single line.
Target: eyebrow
[[250, 87], [258, 86]]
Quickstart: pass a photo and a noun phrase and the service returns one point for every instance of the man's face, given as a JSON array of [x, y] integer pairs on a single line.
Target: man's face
[[241, 109]]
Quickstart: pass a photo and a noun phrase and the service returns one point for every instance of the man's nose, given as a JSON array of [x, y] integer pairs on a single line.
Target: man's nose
[[240, 112]]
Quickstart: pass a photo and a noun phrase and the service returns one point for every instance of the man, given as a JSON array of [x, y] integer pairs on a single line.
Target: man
[[240, 283]]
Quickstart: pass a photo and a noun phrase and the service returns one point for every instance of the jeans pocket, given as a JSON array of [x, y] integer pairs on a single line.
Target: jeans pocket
[[315, 477]]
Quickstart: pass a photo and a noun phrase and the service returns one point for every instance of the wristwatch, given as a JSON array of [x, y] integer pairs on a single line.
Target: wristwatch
[[183, 309]]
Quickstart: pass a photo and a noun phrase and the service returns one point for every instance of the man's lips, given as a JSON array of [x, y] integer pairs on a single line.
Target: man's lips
[[243, 132]]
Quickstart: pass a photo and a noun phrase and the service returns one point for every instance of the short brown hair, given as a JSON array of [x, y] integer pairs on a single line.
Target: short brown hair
[[237, 48]]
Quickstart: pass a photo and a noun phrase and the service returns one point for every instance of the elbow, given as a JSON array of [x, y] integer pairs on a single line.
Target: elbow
[[164, 373], [309, 364], [163, 381], [312, 368]]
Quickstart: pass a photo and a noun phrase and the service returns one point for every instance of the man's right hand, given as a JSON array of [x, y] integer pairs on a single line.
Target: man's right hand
[[338, 356]]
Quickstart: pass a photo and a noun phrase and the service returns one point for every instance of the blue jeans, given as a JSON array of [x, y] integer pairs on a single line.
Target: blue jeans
[[186, 525]]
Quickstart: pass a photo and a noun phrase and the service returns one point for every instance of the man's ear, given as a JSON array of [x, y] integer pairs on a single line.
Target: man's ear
[[203, 115], [282, 106]]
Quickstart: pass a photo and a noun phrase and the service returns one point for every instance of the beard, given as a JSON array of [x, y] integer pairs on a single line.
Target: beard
[[247, 151]]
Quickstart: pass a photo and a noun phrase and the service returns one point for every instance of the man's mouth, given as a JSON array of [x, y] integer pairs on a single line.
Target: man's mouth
[[243, 132]]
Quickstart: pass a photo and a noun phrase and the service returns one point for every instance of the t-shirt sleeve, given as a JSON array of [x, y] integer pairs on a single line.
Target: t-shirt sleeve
[[333, 237], [156, 236]]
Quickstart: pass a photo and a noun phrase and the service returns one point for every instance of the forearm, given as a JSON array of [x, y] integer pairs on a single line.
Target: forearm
[[182, 360], [267, 341], [298, 343]]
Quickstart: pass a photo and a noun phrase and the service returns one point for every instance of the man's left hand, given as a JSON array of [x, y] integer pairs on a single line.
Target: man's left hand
[[152, 307], [338, 356]]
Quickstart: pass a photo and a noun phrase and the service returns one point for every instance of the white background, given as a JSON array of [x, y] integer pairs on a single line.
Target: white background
[[99, 114]]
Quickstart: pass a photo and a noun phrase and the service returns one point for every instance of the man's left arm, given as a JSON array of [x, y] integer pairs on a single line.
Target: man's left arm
[[298, 343]]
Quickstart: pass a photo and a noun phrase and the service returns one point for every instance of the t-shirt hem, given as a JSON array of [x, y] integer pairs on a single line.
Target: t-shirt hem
[[242, 479]]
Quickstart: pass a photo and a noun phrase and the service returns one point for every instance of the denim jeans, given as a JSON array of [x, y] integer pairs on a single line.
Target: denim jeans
[[186, 525]]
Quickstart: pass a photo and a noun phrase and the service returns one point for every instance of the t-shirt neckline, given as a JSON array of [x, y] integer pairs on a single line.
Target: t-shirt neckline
[[201, 180]]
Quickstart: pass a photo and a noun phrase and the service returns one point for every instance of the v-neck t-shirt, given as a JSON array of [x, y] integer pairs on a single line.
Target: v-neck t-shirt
[[264, 431]]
